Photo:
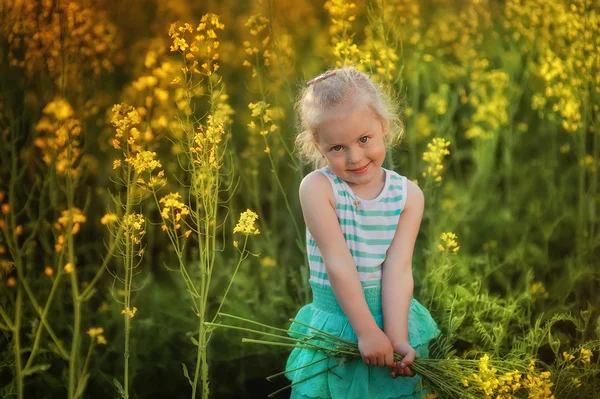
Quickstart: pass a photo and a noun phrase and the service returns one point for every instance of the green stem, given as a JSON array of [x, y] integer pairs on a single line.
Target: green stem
[[38, 334], [17, 341], [85, 365], [237, 267]]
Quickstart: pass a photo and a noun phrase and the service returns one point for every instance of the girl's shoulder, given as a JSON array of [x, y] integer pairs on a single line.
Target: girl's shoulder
[[316, 185]]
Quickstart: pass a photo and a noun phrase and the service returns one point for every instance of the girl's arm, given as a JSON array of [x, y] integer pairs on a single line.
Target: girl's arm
[[318, 208], [397, 279]]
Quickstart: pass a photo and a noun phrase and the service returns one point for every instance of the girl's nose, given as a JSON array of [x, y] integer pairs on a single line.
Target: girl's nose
[[353, 156]]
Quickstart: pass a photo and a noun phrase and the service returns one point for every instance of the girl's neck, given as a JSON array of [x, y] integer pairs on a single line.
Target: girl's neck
[[371, 189]]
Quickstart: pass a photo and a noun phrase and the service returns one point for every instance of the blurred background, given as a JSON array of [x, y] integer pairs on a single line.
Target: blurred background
[[500, 104]]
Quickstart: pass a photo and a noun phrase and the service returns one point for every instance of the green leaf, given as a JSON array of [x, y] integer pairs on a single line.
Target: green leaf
[[187, 375], [119, 387], [195, 341]]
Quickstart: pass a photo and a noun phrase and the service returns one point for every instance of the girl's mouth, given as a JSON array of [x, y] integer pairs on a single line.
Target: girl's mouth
[[360, 170]]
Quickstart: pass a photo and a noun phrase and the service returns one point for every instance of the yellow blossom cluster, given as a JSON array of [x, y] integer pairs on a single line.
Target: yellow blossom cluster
[[488, 97], [109, 218], [206, 144], [71, 216], [58, 136], [200, 43], [455, 36], [246, 224], [124, 118], [97, 335], [449, 243], [344, 49], [264, 117], [492, 384], [144, 161], [538, 385], [538, 291], [69, 268], [173, 209], [129, 312], [437, 101], [62, 38], [437, 150], [134, 227], [380, 56], [566, 37], [258, 50]]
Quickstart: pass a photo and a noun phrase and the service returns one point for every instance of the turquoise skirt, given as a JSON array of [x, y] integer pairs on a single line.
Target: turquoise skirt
[[352, 379]]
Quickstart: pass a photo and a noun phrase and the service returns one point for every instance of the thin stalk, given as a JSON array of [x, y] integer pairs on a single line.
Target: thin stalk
[[17, 341], [73, 377], [128, 263], [237, 267], [85, 364], [38, 334]]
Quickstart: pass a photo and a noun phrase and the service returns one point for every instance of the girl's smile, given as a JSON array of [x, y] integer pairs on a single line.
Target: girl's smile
[[360, 170]]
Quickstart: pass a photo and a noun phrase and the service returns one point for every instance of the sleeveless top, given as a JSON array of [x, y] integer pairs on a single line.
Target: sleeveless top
[[368, 230]]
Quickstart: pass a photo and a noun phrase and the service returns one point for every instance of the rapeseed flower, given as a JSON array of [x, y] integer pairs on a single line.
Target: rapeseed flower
[[72, 216], [246, 223], [174, 210], [438, 149], [68, 268], [135, 227], [96, 334], [58, 131], [129, 312], [11, 282], [449, 243]]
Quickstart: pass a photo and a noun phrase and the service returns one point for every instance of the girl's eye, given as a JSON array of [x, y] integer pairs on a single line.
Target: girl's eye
[[364, 139], [336, 148]]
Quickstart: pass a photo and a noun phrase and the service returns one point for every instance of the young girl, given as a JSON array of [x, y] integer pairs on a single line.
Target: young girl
[[362, 222]]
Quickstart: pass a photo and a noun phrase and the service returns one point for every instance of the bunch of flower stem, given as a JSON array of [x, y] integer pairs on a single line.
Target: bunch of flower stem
[[204, 145], [63, 177], [450, 377], [135, 167], [260, 51]]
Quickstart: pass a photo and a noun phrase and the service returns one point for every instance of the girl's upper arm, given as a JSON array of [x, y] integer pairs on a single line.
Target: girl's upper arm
[[400, 252], [318, 208]]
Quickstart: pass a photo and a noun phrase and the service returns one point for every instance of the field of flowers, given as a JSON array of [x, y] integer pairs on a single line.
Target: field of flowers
[[148, 181]]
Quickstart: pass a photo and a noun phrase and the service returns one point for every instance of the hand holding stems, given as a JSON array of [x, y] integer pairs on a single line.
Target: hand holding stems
[[401, 368], [376, 348]]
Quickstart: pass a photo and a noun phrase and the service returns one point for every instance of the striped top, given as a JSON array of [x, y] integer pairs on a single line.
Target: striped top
[[368, 231]]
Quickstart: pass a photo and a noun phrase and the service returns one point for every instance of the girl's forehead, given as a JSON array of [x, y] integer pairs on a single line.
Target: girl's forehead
[[347, 122]]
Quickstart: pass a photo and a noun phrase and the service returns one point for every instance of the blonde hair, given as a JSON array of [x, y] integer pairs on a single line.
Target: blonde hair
[[331, 89]]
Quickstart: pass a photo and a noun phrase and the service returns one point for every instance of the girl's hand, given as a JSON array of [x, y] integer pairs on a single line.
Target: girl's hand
[[402, 368], [376, 349]]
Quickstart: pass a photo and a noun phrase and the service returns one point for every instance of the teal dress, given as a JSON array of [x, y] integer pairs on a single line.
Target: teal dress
[[368, 226]]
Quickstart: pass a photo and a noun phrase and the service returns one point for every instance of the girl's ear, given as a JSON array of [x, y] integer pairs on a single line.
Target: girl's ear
[[385, 126]]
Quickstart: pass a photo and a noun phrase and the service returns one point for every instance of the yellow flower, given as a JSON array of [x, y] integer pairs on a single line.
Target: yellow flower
[[68, 268], [109, 218], [435, 157], [246, 223], [586, 355], [95, 334], [49, 271], [11, 282], [449, 243], [5, 208], [129, 312], [267, 261]]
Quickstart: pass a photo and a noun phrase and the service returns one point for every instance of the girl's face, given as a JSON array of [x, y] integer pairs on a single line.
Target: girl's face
[[352, 141]]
